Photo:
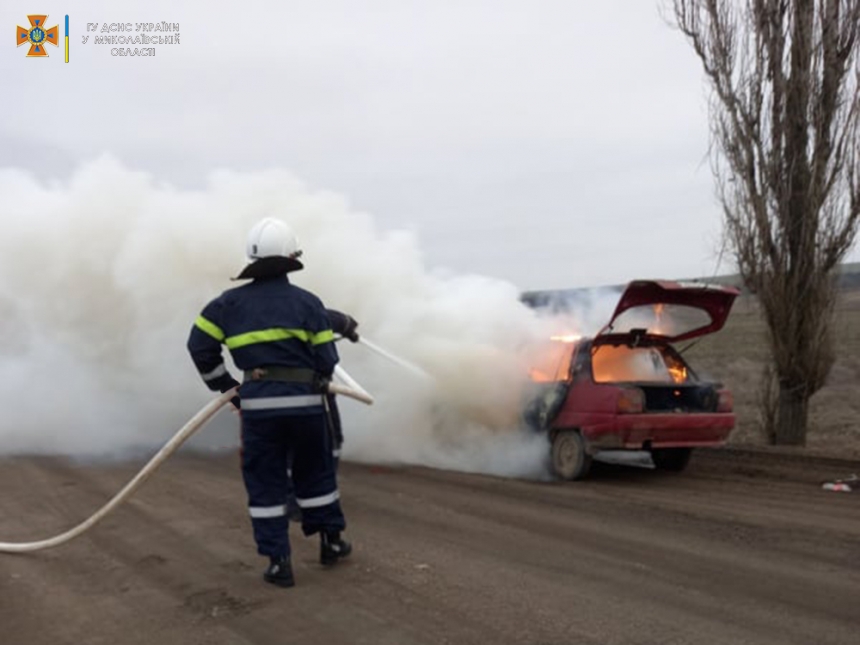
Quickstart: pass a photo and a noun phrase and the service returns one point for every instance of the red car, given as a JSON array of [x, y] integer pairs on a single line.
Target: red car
[[628, 388]]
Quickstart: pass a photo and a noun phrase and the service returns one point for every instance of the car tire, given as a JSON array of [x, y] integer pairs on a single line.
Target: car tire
[[671, 459], [569, 457]]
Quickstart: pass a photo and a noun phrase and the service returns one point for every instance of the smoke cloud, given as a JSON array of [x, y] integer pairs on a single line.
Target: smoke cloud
[[102, 276]]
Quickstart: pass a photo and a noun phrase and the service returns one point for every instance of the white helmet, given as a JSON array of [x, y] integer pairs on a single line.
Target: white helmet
[[271, 237]]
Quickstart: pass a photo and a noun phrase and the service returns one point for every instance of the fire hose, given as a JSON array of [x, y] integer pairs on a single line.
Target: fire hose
[[196, 422], [410, 367]]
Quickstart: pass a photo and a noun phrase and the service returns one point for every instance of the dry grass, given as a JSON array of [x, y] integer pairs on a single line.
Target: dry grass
[[736, 356]]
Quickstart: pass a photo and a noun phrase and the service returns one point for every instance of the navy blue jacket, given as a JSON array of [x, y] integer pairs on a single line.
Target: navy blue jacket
[[265, 322]]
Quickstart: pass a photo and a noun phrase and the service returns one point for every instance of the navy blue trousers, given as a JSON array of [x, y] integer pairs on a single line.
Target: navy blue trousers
[[269, 447], [336, 435]]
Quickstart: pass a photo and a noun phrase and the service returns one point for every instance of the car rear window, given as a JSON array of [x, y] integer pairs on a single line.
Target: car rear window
[[623, 364], [661, 319]]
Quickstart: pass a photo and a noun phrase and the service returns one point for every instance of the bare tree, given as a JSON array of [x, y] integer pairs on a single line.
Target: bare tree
[[786, 158]]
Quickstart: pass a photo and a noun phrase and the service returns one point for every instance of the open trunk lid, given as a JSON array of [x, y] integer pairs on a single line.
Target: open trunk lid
[[672, 311]]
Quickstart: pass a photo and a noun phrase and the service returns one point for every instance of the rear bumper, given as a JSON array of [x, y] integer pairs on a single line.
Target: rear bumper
[[632, 432]]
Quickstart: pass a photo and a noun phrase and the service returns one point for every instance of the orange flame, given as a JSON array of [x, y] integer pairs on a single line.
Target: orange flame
[[658, 317], [678, 373], [552, 362], [566, 338]]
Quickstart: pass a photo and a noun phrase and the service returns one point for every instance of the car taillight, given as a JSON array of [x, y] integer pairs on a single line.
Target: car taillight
[[726, 402], [631, 400]]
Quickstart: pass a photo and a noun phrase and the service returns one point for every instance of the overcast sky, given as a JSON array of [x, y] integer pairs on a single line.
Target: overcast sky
[[551, 143]]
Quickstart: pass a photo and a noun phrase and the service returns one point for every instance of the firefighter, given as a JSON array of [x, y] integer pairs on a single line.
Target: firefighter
[[281, 337]]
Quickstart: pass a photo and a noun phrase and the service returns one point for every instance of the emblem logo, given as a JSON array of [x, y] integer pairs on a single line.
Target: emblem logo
[[37, 36]]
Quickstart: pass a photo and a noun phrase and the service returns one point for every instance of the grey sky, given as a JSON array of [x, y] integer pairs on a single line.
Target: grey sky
[[551, 143]]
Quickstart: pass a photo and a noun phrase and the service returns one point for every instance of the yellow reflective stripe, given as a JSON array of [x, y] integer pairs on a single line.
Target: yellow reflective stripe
[[210, 328], [326, 336], [266, 336], [279, 333]]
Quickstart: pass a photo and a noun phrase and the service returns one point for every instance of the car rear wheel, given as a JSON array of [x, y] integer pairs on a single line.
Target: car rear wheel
[[569, 458], [671, 459]]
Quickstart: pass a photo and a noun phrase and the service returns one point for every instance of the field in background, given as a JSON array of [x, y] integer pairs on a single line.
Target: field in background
[[736, 356]]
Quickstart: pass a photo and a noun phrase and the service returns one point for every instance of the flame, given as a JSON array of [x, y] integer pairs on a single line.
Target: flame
[[539, 377], [552, 361], [678, 373], [566, 338], [658, 318]]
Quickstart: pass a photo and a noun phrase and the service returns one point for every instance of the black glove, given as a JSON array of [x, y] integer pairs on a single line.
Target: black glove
[[349, 331], [236, 401]]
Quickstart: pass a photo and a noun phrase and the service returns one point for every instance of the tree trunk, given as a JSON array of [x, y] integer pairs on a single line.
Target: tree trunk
[[791, 417]]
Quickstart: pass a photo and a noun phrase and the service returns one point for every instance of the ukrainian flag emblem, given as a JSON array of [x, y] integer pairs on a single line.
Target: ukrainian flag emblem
[[37, 36]]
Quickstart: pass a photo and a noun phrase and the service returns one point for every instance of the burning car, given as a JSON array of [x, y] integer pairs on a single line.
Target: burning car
[[628, 387]]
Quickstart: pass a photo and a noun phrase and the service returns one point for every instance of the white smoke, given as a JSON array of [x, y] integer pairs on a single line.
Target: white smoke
[[101, 277]]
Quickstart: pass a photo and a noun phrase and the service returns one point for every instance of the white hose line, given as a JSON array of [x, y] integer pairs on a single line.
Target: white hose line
[[411, 367], [364, 397], [350, 382], [196, 423]]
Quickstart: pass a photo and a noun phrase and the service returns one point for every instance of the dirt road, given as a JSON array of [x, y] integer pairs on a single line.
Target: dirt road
[[736, 550]]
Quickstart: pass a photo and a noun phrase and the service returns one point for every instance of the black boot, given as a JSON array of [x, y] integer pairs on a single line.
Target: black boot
[[279, 572], [333, 547]]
